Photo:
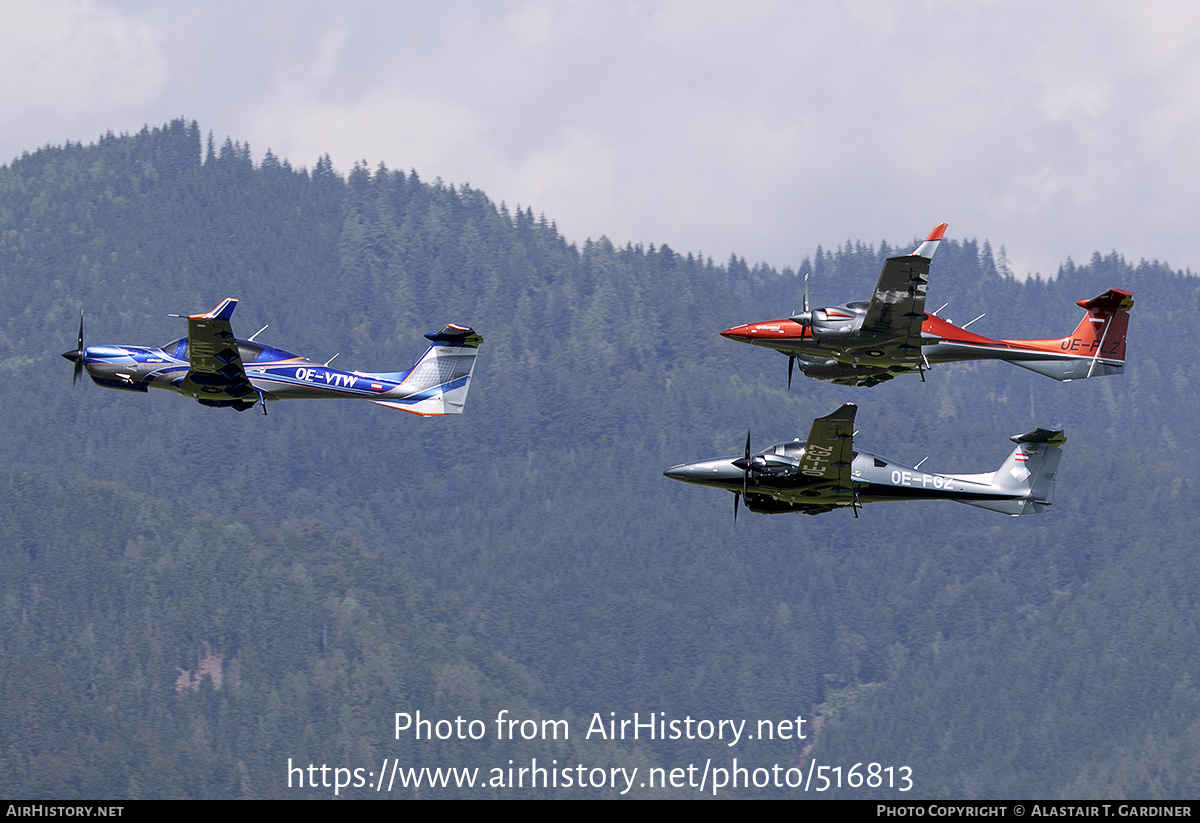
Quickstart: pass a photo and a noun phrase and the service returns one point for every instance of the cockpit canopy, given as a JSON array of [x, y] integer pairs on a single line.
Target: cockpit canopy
[[792, 448], [250, 352]]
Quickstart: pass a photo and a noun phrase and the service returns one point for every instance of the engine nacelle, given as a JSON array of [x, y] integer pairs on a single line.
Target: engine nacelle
[[828, 324], [765, 504]]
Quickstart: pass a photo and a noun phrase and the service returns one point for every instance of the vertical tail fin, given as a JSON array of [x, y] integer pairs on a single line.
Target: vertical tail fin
[[1033, 464], [1027, 474], [1102, 333], [1095, 348], [439, 381]]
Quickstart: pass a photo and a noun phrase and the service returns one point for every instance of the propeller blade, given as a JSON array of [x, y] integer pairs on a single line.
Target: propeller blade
[[76, 356], [737, 498], [791, 363], [746, 468], [79, 363], [804, 316]]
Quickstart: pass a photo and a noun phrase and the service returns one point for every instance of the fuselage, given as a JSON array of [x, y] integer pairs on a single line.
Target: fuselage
[[941, 340], [779, 473], [275, 373], [834, 346]]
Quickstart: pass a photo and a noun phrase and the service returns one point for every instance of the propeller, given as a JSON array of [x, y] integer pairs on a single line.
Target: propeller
[[76, 356], [745, 466], [804, 316]]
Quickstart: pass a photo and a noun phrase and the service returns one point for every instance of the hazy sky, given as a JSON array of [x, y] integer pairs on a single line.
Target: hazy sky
[[761, 128]]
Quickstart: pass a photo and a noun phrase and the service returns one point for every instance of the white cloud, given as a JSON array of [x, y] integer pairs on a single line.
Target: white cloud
[[385, 125], [759, 128], [67, 64]]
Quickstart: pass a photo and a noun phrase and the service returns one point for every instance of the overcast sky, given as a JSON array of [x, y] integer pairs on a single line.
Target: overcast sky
[[760, 128]]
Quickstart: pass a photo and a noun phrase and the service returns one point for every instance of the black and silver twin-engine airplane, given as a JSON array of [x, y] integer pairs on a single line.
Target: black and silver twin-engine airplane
[[824, 473]]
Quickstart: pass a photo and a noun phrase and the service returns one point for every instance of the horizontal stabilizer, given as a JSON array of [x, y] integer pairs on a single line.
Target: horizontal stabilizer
[[1111, 300], [452, 335], [1047, 436]]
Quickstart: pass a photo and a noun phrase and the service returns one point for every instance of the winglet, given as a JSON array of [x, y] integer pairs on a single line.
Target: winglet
[[930, 245], [222, 312]]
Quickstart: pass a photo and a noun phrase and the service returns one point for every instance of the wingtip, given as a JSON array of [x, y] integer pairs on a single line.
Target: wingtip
[[929, 244], [846, 412]]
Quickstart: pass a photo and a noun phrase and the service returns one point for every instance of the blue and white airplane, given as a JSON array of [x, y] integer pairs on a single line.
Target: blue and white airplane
[[216, 369]]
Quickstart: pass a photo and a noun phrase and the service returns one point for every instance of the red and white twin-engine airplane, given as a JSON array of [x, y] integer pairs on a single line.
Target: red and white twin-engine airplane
[[865, 343]]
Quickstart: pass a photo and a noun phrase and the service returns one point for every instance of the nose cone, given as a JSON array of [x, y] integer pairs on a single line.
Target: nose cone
[[766, 332], [738, 333], [718, 472], [681, 472]]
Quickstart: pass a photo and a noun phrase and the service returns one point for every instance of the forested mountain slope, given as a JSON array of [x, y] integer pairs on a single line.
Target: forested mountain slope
[[530, 549]]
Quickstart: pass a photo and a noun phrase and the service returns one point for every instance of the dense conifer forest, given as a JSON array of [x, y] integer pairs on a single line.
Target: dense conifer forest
[[191, 597]]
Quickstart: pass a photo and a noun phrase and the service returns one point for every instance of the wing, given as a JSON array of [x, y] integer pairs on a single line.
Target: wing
[[829, 450], [215, 370], [898, 305]]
